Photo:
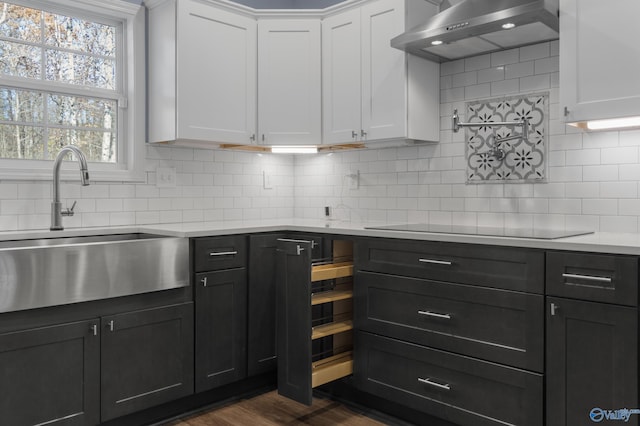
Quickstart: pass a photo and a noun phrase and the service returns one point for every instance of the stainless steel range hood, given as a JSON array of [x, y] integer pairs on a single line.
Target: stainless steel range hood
[[473, 27]]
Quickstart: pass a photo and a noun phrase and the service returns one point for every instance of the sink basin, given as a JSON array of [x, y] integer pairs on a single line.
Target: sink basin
[[63, 270]]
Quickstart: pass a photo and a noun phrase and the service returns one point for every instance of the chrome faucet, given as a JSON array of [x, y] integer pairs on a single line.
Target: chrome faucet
[[56, 207]]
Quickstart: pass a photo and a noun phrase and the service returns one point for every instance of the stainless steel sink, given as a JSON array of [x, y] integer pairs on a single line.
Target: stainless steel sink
[[63, 270]]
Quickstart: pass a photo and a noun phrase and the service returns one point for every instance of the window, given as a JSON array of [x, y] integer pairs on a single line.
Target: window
[[71, 72]]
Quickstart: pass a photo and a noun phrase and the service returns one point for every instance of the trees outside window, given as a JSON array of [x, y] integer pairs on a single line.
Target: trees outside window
[[65, 79]]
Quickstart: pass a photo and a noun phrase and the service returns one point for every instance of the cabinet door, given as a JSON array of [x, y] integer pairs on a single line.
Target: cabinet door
[[293, 303], [261, 310], [289, 81], [221, 327], [51, 375], [147, 359], [217, 66], [341, 78], [599, 59], [592, 360], [384, 112]]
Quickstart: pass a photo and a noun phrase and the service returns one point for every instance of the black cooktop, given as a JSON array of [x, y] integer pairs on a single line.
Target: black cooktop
[[544, 234]]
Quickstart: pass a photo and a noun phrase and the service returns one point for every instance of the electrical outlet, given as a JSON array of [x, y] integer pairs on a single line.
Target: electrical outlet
[[266, 180], [165, 177], [353, 179]]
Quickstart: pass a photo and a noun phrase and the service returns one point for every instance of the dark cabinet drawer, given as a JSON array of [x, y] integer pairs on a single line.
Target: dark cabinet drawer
[[492, 324], [595, 277], [212, 254], [462, 390], [490, 266]]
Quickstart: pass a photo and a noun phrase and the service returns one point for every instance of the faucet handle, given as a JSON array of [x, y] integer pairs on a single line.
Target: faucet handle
[[69, 211]]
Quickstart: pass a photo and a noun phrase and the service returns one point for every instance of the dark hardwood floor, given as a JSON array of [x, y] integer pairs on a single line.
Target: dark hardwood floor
[[270, 409]]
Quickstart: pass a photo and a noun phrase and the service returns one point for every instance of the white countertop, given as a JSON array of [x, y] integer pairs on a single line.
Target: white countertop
[[602, 242]]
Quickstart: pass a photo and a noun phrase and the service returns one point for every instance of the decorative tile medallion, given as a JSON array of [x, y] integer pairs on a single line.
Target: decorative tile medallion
[[515, 160]]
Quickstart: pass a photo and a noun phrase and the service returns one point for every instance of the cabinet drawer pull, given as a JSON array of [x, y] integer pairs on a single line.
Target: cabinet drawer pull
[[427, 381], [111, 325], [434, 314], [94, 329], [223, 253], [588, 277], [436, 262]]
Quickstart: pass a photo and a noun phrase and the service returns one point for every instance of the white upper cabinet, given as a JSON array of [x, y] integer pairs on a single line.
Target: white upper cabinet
[[289, 81], [599, 59], [371, 91], [341, 78], [202, 73]]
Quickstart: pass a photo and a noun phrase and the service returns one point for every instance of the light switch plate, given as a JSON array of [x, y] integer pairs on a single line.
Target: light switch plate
[[165, 177]]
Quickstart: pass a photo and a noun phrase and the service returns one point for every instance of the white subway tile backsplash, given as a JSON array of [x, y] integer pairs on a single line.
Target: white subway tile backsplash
[[622, 155], [629, 207], [17, 207], [583, 157], [600, 206], [566, 142], [600, 173], [619, 189], [464, 79], [505, 87], [122, 219], [533, 205], [547, 65], [535, 51], [565, 206], [109, 205], [521, 69], [600, 139], [535, 83], [477, 62], [477, 91], [504, 57], [491, 74]]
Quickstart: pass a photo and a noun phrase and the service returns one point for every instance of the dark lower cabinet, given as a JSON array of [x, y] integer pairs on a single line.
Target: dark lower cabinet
[[51, 375], [592, 361], [261, 301], [221, 327], [147, 359], [459, 389]]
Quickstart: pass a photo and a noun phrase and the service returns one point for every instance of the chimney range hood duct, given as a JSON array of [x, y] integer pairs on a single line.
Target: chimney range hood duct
[[474, 27]]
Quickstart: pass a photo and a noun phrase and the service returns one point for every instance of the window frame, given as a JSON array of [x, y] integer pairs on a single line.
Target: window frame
[[131, 85]]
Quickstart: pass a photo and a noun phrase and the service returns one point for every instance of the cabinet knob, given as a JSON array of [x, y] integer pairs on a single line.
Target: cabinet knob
[[110, 324], [204, 281], [94, 329], [354, 134], [566, 111], [363, 134], [252, 138], [554, 309]]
